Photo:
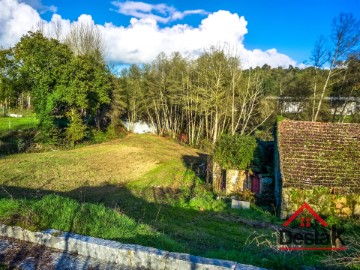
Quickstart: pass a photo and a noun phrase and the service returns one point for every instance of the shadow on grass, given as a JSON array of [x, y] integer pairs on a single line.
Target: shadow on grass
[[159, 217], [161, 213], [164, 223], [196, 163], [16, 141]]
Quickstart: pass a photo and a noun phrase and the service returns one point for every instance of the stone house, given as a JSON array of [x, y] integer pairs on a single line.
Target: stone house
[[230, 181], [318, 163]]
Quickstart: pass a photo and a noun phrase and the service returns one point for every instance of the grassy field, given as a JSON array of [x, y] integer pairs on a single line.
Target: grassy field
[[10, 123], [140, 189]]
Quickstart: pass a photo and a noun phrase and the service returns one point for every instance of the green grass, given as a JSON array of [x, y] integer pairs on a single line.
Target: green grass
[[17, 134], [84, 218], [11, 124], [142, 190]]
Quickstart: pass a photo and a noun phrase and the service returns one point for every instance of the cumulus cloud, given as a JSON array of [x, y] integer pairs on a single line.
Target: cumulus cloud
[[158, 12], [142, 40], [15, 19]]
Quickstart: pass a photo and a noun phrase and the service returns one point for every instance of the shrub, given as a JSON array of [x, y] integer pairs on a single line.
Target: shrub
[[235, 152], [76, 130], [204, 201], [245, 195]]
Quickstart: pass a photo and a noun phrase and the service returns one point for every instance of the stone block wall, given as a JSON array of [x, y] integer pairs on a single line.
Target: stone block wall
[[321, 200]]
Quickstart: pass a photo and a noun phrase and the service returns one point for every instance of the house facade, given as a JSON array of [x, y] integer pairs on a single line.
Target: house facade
[[317, 163]]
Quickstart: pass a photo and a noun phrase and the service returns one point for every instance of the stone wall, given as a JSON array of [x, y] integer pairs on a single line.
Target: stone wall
[[321, 200], [127, 255], [235, 181], [229, 181], [217, 176]]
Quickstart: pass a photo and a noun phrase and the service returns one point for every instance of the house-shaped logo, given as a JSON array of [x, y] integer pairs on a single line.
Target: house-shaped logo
[[307, 238]]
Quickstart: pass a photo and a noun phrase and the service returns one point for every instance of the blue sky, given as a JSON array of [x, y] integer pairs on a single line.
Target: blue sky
[[290, 27]]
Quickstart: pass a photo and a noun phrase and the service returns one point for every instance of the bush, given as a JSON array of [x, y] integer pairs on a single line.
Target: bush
[[235, 152], [245, 195], [204, 201], [76, 130], [197, 195]]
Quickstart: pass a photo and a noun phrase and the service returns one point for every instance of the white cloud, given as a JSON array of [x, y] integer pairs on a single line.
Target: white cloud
[[39, 6], [15, 20], [158, 12], [142, 40]]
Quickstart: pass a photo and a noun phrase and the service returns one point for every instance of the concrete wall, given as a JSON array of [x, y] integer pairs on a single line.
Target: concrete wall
[[133, 256]]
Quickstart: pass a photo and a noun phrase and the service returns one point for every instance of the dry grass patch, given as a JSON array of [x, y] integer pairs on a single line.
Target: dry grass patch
[[142, 159]]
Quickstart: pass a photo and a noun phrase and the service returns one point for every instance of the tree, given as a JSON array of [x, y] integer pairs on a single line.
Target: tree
[[347, 88], [132, 83], [318, 57], [72, 94], [85, 39], [203, 98], [40, 63], [85, 90], [8, 78], [345, 38]]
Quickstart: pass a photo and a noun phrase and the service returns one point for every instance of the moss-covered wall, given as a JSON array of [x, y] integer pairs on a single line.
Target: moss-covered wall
[[321, 200]]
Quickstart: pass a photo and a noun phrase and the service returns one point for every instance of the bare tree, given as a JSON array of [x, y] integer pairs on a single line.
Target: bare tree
[[345, 38], [56, 28], [319, 56], [40, 27], [85, 39]]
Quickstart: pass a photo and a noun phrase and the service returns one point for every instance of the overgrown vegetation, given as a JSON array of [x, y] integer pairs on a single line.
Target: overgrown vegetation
[[235, 151], [17, 134]]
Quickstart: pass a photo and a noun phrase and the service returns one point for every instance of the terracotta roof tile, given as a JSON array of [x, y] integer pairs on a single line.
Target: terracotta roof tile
[[314, 153]]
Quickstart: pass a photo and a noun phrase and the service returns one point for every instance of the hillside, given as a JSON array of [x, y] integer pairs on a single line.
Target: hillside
[[141, 189], [137, 159]]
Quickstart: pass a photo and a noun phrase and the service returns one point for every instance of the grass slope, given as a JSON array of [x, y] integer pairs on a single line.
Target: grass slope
[[144, 160], [141, 189]]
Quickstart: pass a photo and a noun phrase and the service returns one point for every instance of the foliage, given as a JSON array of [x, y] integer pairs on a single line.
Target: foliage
[[71, 93], [203, 199], [235, 152], [76, 130], [343, 43], [42, 60], [245, 195], [202, 98]]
